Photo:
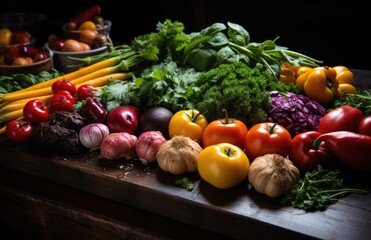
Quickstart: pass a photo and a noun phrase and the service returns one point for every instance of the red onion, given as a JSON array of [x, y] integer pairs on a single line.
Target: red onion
[[148, 144], [92, 135], [118, 145]]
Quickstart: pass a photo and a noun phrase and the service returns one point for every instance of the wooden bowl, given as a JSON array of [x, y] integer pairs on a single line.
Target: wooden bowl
[[35, 68]]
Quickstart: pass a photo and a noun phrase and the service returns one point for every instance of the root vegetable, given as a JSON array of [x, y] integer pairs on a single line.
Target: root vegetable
[[273, 175], [148, 144], [178, 155], [118, 145], [92, 135]]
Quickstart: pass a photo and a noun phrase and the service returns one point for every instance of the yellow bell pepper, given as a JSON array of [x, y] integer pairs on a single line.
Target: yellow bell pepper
[[302, 70], [287, 73], [287, 76], [321, 85], [345, 88], [344, 75], [189, 123], [223, 165]]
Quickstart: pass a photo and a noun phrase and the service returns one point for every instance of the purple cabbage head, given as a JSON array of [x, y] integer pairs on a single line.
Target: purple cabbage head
[[297, 113]]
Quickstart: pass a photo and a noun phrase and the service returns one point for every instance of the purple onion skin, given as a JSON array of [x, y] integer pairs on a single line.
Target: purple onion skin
[[297, 113]]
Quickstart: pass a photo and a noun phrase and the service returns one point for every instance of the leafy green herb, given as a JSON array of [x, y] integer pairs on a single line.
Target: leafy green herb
[[164, 84], [243, 91], [266, 53], [185, 183], [317, 190], [18, 81], [360, 100]]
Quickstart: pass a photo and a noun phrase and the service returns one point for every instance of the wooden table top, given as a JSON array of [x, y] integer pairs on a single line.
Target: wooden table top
[[238, 213]]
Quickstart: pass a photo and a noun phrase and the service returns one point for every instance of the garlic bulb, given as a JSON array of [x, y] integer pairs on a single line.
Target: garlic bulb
[[273, 174], [178, 155]]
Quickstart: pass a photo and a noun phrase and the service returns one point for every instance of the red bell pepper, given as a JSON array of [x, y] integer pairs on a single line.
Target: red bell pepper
[[352, 149], [343, 118], [306, 152]]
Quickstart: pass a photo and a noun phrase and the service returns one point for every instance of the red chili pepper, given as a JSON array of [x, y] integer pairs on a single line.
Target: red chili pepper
[[352, 149], [83, 16]]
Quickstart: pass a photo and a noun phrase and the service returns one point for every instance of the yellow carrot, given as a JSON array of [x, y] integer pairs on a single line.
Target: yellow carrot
[[98, 82], [45, 99], [100, 73], [27, 94], [2, 130], [75, 74], [6, 117], [11, 106]]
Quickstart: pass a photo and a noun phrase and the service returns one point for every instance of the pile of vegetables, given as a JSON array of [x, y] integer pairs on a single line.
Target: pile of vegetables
[[235, 116]]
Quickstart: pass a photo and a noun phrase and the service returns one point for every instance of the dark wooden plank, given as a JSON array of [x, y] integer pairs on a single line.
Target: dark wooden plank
[[238, 212], [33, 206]]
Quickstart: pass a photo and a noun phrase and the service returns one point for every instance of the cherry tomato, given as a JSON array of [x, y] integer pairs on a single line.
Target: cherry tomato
[[68, 95], [265, 138], [364, 126], [64, 85], [61, 102], [226, 130], [35, 111], [18, 130], [307, 153], [85, 91]]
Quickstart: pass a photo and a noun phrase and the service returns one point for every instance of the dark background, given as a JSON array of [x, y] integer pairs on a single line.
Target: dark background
[[337, 33]]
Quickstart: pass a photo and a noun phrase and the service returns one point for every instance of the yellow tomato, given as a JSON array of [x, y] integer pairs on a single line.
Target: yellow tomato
[[189, 123], [223, 165], [90, 25]]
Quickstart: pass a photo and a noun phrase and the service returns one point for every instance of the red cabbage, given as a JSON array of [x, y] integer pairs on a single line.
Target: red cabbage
[[297, 113]]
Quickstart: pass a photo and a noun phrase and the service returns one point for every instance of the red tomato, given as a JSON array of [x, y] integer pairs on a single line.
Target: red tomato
[[265, 138], [306, 153], [64, 85], [61, 102], [68, 95], [85, 91], [226, 130], [364, 126], [123, 119], [35, 111], [18, 130], [344, 118]]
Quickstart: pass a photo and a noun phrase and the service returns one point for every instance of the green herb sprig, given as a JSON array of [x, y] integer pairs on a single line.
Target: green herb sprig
[[360, 100], [318, 189], [185, 183]]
